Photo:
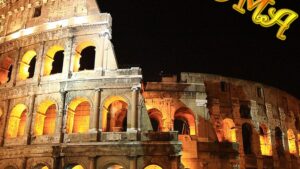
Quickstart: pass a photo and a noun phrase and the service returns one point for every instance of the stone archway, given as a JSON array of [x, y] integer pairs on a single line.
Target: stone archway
[[78, 116], [17, 121], [85, 56]]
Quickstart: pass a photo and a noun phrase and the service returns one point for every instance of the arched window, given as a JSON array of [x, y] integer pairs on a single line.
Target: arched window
[[247, 138], [114, 114], [245, 112], [17, 121], [265, 140], [291, 141], [78, 117], [229, 130], [54, 59], [156, 119], [153, 166], [74, 166], [184, 122], [84, 58], [27, 65], [6, 66], [45, 118], [278, 142]]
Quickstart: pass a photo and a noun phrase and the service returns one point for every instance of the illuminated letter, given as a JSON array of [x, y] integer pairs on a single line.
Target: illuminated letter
[[276, 18]]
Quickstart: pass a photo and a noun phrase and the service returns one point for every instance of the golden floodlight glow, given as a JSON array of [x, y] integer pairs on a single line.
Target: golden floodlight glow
[[153, 167], [50, 58], [291, 141], [45, 119], [24, 64], [5, 64], [187, 115], [229, 130], [78, 116], [17, 121], [106, 108], [265, 141], [79, 49], [45, 167], [77, 167]]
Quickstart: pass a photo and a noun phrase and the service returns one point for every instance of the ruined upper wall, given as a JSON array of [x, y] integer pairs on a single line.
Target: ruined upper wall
[[16, 15], [243, 90]]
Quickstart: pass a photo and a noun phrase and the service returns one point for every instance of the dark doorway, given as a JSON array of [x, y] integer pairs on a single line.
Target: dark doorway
[[181, 126], [87, 60], [32, 67], [247, 138], [155, 124], [278, 142], [9, 73], [58, 62]]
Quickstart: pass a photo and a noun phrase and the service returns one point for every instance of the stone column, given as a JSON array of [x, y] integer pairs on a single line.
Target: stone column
[[29, 117], [5, 119], [60, 116], [133, 115], [94, 126]]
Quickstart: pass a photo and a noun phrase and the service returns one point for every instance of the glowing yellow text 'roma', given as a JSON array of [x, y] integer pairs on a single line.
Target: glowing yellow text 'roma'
[[282, 17]]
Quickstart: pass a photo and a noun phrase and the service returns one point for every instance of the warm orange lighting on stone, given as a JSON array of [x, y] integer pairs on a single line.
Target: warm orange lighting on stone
[[17, 122], [25, 64], [45, 119], [153, 167], [114, 113], [115, 167], [78, 117], [5, 64], [49, 58], [79, 49], [229, 130], [265, 141], [291, 141], [156, 115], [186, 115]]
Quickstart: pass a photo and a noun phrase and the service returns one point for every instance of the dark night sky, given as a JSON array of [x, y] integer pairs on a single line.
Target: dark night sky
[[204, 36]]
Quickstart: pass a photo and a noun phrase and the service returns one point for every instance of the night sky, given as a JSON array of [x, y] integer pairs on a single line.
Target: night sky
[[204, 36]]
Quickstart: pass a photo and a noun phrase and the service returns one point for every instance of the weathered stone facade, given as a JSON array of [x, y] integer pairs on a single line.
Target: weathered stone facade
[[65, 104]]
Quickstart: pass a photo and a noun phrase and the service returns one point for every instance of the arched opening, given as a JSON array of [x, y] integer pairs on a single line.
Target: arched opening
[[78, 117], [278, 142], [85, 57], [245, 112], [54, 60], [115, 166], [182, 126], [291, 142], [45, 118], [27, 65], [229, 130], [74, 166], [156, 119], [247, 138], [153, 166], [41, 166], [265, 140], [184, 122], [6, 67], [17, 121], [114, 114]]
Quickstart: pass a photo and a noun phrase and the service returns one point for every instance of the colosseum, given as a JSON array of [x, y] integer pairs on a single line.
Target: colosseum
[[65, 104]]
